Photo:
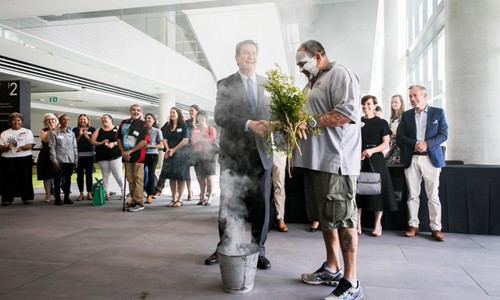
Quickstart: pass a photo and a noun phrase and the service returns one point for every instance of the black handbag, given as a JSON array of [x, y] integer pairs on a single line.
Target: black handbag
[[369, 183]]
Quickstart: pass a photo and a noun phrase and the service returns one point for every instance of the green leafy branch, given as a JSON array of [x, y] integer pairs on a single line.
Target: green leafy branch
[[144, 294], [287, 106]]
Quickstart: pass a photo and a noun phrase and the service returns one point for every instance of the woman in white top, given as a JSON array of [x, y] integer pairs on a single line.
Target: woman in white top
[[45, 171], [16, 144]]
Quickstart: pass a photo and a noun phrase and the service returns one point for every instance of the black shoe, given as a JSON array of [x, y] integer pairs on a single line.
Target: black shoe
[[6, 203], [58, 202], [112, 193], [213, 259], [67, 200], [263, 263], [27, 201], [313, 229]]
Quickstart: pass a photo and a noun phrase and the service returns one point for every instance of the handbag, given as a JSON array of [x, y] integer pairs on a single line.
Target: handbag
[[98, 193], [369, 183]]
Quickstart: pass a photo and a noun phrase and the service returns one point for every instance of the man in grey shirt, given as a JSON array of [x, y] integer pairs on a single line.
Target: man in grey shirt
[[331, 162]]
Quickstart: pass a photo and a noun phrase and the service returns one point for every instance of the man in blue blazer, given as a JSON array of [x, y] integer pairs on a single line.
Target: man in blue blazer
[[420, 134], [242, 112]]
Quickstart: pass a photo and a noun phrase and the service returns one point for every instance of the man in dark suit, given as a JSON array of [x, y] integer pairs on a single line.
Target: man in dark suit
[[421, 132], [242, 112]]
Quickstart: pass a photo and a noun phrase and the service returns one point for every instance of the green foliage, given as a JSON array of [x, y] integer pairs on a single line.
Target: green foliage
[[287, 106]]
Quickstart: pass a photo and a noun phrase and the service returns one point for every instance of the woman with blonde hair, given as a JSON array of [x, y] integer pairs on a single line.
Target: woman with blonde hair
[[44, 168], [393, 155]]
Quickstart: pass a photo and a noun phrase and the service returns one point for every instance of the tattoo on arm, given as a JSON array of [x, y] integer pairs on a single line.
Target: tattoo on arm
[[333, 119]]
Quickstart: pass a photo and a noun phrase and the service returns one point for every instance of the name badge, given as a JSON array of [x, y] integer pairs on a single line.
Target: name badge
[[179, 129], [135, 133]]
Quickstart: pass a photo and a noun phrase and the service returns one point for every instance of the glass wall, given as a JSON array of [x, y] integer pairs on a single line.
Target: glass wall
[[426, 48]]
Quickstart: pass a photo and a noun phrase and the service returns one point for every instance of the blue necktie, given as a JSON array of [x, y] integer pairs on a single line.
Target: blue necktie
[[251, 95]]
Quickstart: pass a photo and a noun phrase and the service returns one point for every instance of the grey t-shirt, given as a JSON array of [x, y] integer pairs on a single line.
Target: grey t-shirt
[[155, 135], [337, 88]]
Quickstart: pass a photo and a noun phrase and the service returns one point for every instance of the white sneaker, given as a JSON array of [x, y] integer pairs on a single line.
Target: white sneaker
[[322, 276], [345, 291]]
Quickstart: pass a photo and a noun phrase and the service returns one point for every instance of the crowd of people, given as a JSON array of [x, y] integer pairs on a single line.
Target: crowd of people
[[353, 138], [132, 145]]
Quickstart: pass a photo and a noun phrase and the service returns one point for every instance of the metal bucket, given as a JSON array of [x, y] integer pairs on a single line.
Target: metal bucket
[[238, 271]]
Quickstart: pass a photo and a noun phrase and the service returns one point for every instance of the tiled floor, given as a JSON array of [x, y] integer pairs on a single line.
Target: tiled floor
[[84, 252]]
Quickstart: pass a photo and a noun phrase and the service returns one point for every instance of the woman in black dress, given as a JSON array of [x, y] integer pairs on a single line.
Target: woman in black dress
[[191, 124], [176, 163], [44, 168], [375, 133]]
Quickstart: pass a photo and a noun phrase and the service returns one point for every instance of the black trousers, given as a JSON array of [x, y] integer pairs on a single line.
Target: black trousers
[[151, 162], [245, 196], [63, 176], [85, 168], [18, 177]]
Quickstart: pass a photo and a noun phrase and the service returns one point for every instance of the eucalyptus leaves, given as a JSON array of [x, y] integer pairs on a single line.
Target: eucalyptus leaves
[[287, 106]]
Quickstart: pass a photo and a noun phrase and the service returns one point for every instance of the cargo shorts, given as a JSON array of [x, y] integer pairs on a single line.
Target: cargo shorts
[[330, 199]]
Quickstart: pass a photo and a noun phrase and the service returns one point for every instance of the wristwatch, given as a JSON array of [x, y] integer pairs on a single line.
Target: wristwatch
[[312, 123]]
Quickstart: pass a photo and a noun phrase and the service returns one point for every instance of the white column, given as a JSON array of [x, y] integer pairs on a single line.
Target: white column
[[394, 53], [472, 42], [167, 101]]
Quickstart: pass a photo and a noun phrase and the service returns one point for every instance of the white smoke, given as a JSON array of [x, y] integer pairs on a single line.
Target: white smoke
[[233, 213]]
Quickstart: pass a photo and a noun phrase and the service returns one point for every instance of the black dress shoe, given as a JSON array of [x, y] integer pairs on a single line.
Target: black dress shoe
[[67, 201], [263, 263], [213, 259]]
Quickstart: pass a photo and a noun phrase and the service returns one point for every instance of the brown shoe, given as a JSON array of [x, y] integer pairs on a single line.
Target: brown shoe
[[149, 199], [412, 231], [281, 225], [438, 236]]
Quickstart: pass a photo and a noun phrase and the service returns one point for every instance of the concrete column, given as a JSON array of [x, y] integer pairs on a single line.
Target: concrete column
[[394, 53], [472, 77], [167, 101]]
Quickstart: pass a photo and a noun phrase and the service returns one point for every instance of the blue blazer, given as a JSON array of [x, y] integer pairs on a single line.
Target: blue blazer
[[436, 133]]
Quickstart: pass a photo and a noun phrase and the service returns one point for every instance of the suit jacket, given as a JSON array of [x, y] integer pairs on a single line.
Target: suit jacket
[[240, 149], [436, 133]]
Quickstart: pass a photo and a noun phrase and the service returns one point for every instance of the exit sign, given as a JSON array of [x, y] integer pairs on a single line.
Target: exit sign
[[53, 99]]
